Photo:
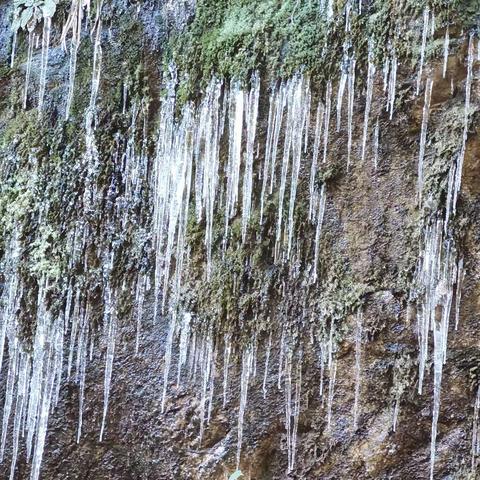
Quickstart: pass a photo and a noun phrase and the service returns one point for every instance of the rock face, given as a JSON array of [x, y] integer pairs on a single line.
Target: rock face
[[252, 245]]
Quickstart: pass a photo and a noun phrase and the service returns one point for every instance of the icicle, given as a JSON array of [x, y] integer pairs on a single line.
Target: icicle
[[323, 358], [458, 291], [368, 102], [97, 61], [438, 361], [235, 126], [476, 433], [124, 98], [71, 77], [74, 24], [292, 413], [210, 130], [396, 410], [280, 360], [185, 329], [247, 364], [423, 135], [341, 91], [351, 103], [435, 278], [47, 22], [46, 397], [38, 369], [386, 72], [446, 44], [427, 275], [110, 329], [81, 367], [208, 365], [267, 360], [31, 40], [251, 121], [139, 304], [300, 116], [298, 107], [211, 384], [14, 47], [227, 352], [75, 321], [376, 143], [322, 198], [392, 85], [22, 392], [9, 392], [280, 103], [58, 363], [326, 9], [316, 149], [272, 110], [326, 128], [172, 185], [426, 20], [468, 91], [358, 365], [331, 393]]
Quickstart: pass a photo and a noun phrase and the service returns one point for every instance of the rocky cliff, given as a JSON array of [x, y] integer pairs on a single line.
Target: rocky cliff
[[239, 236]]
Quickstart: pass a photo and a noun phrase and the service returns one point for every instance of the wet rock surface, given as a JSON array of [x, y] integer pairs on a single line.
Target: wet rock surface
[[370, 244]]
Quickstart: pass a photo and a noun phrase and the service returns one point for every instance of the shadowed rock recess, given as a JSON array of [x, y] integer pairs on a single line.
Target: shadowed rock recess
[[239, 239]]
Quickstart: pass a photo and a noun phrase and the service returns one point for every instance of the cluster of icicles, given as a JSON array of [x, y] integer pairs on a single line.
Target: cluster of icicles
[[79, 22], [188, 169]]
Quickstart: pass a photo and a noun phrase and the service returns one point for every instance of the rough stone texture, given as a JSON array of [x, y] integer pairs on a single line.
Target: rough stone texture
[[372, 229]]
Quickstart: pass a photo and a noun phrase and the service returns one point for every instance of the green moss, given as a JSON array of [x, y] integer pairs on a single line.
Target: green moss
[[232, 38]]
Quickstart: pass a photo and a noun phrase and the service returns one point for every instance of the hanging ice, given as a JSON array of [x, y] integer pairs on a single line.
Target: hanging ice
[[351, 102], [31, 41], [423, 135], [322, 198], [426, 21], [275, 119], [358, 365], [247, 368], [446, 44], [298, 110], [235, 126], [47, 22], [172, 184], [251, 121], [110, 333], [74, 24], [316, 150], [476, 432], [293, 386], [368, 102], [210, 126]]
